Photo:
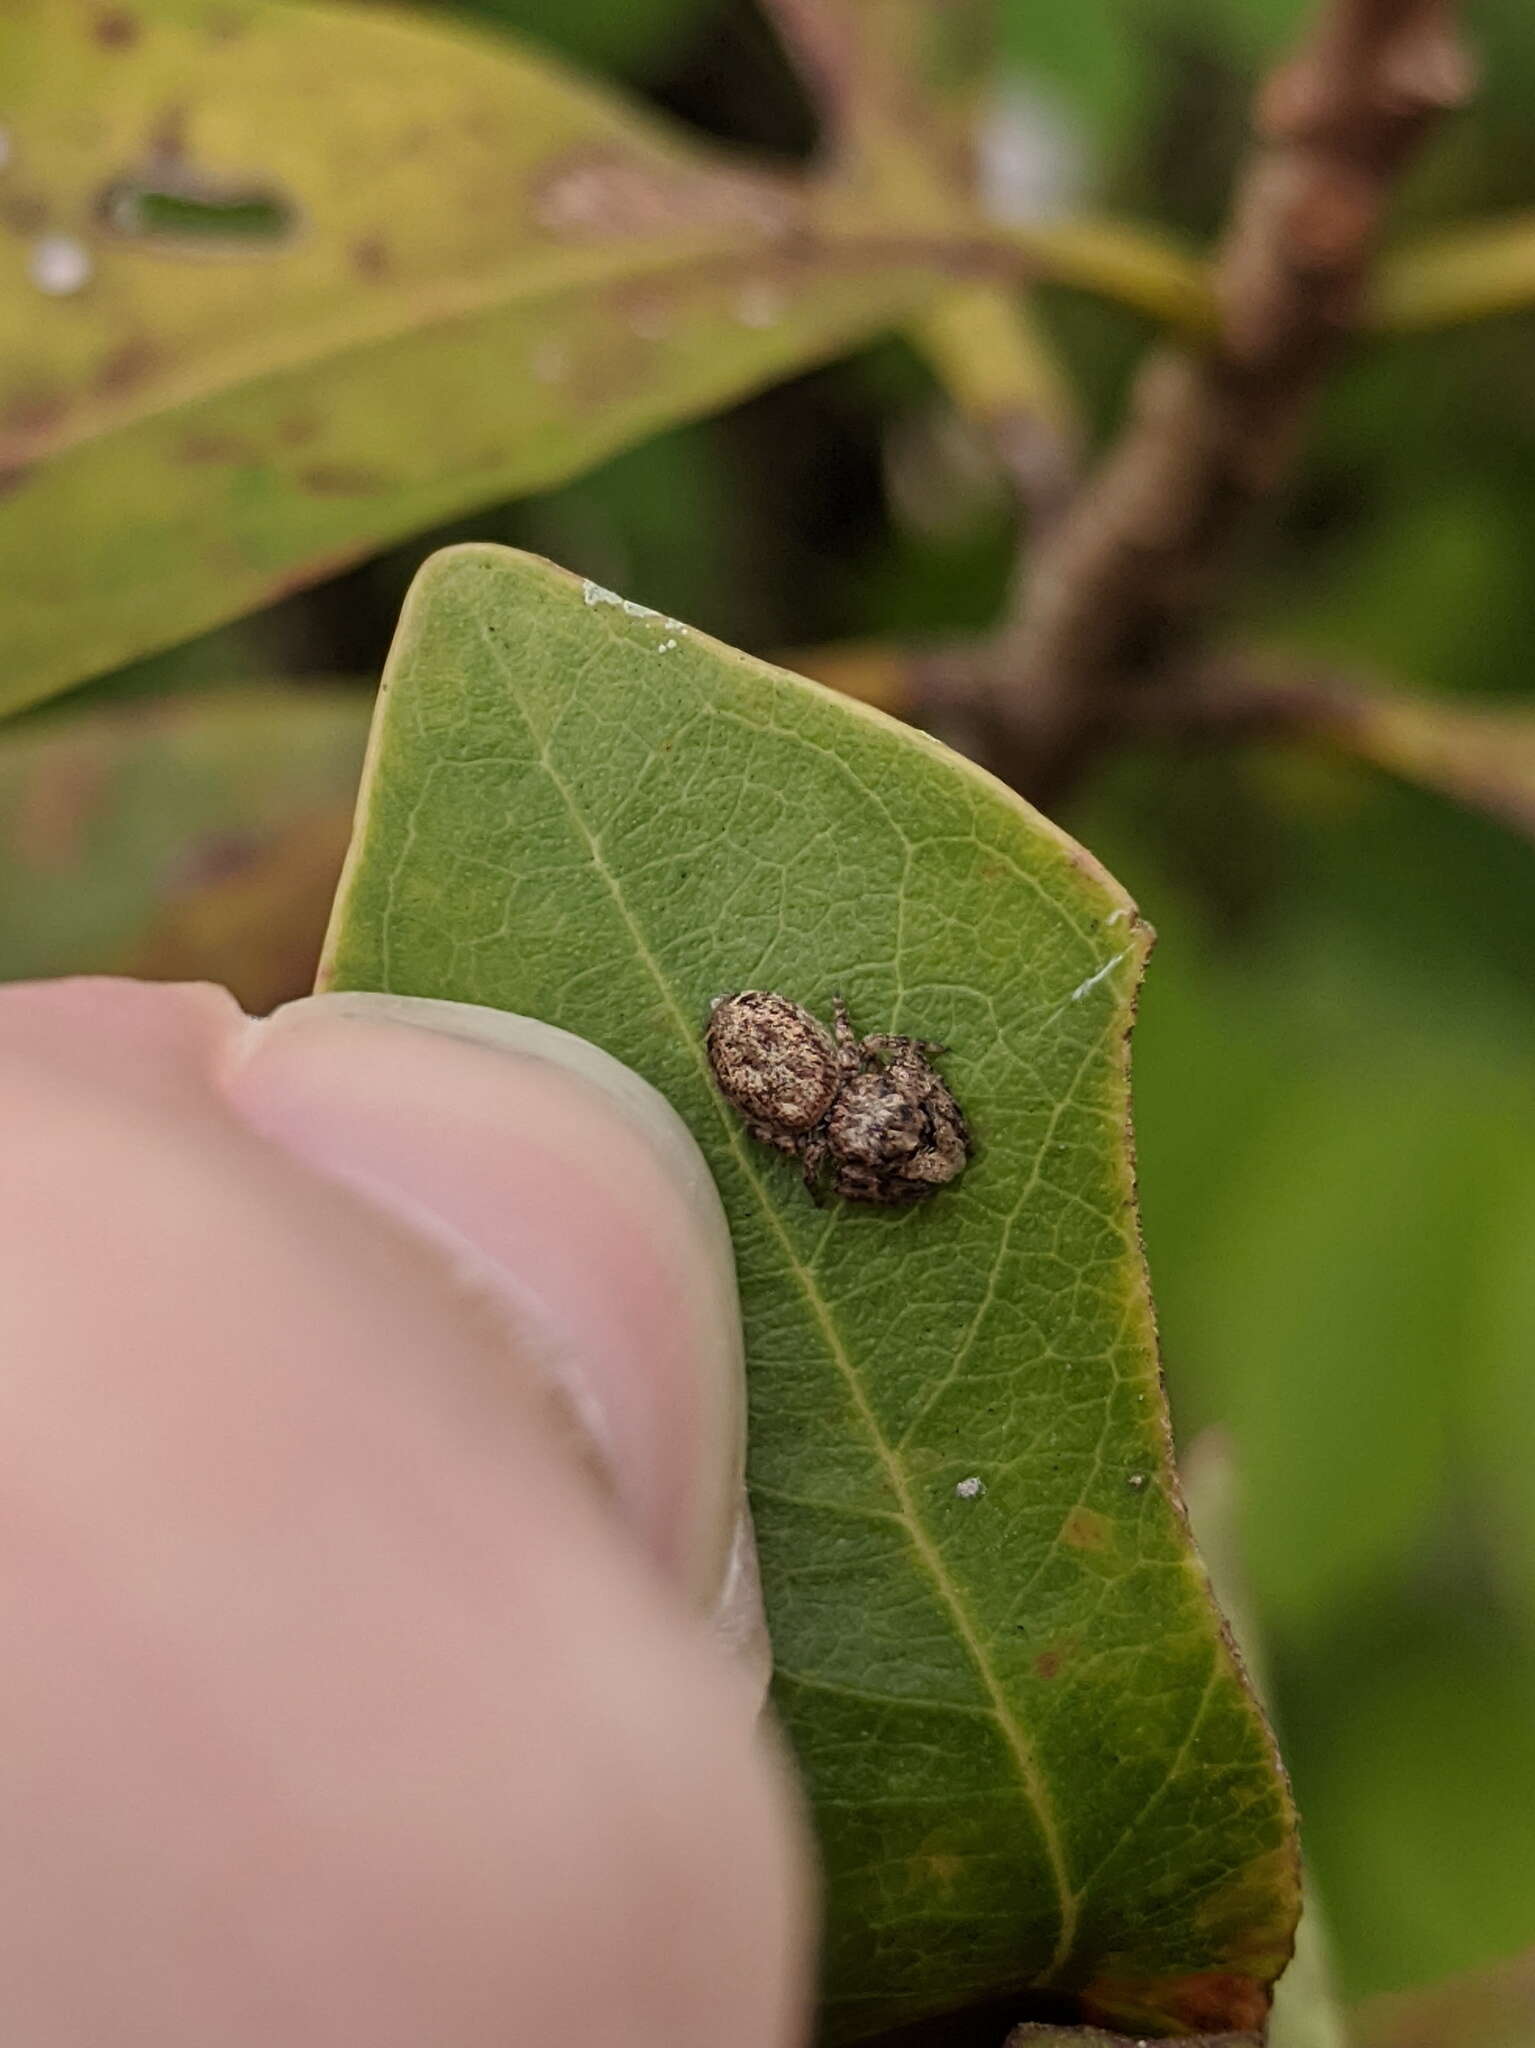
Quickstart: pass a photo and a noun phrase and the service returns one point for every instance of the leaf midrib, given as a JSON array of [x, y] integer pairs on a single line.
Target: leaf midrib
[[522, 278], [1030, 1775]]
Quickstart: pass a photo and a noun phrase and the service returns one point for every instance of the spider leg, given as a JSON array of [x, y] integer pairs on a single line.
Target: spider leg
[[849, 1050], [891, 1046], [768, 1134]]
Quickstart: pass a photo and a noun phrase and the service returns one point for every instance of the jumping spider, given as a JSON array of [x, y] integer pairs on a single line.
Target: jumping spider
[[870, 1111]]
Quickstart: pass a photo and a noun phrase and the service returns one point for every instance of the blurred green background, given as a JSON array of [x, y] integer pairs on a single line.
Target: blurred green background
[[1335, 1073]]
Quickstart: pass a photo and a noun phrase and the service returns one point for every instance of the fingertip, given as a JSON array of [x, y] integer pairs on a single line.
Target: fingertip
[[136, 1037], [573, 1192], [381, 1713]]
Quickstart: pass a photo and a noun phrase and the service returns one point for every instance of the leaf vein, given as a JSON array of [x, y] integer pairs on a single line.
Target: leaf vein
[[928, 1554]]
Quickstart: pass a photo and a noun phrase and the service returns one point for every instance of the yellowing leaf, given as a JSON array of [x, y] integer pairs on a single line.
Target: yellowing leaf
[[294, 281], [1034, 1764], [196, 840]]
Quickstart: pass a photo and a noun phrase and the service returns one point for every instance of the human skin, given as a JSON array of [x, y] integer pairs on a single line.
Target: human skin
[[351, 1694]]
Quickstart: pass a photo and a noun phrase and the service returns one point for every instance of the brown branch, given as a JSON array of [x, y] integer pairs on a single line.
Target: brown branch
[[822, 42], [1121, 585], [869, 65], [1478, 752], [895, 131], [1235, 698]]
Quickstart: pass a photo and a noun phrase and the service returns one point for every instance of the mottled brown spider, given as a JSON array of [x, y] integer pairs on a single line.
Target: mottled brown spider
[[871, 1113]]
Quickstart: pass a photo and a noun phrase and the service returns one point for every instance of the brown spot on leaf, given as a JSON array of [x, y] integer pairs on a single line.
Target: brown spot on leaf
[[29, 422], [343, 480], [25, 212], [254, 923], [298, 429], [117, 29], [215, 448], [1204, 2002], [1086, 1529], [370, 258], [168, 136], [484, 123], [1047, 1664], [127, 367], [12, 478], [215, 859]]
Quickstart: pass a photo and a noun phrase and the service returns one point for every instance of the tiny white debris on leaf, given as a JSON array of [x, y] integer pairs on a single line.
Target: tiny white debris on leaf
[[1085, 987], [1137, 1479], [59, 265], [1117, 916], [595, 593], [971, 1488]]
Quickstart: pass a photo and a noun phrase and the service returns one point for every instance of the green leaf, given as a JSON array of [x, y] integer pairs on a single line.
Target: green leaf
[[344, 275], [196, 840], [1032, 1760]]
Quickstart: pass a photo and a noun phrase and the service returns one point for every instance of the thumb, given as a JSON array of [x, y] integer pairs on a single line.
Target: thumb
[[334, 1702], [569, 1192]]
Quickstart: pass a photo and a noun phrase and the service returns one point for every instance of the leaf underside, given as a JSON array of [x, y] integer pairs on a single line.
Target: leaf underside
[[1034, 1763]]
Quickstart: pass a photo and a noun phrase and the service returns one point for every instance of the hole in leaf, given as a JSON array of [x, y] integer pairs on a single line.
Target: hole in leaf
[[201, 216]]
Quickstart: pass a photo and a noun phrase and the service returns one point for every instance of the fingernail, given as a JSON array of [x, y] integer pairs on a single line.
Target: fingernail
[[585, 1206], [738, 1620]]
